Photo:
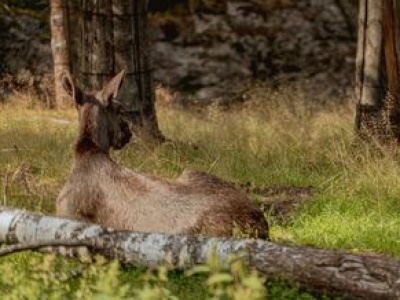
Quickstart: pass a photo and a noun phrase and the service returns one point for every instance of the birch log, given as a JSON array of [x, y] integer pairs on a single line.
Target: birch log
[[335, 272]]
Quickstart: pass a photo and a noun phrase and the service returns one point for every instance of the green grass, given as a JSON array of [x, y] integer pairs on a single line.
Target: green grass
[[277, 140]]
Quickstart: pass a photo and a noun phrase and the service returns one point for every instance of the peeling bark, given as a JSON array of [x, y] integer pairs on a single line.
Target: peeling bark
[[334, 272]]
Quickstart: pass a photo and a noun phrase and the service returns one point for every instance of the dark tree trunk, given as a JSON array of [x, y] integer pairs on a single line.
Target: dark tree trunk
[[96, 53], [132, 52], [389, 37], [113, 36], [334, 272]]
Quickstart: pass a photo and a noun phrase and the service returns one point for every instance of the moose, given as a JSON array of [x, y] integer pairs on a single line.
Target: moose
[[99, 190]]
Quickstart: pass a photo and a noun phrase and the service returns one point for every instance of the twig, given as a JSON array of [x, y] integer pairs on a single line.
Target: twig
[[5, 188], [89, 243], [13, 149], [7, 8]]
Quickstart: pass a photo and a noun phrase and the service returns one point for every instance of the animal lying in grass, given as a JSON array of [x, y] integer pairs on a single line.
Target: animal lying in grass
[[100, 191]]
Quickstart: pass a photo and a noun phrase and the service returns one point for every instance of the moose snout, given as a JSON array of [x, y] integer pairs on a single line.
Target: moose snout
[[124, 136]]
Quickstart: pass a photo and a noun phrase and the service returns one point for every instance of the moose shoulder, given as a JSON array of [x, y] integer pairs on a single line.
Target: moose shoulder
[[100, 191]]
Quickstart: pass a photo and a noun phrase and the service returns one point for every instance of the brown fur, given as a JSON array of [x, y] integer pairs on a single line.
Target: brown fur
[[98, 190]]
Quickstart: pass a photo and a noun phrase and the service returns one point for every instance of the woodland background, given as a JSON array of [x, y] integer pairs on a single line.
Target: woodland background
[[288, 67], [309, 42]]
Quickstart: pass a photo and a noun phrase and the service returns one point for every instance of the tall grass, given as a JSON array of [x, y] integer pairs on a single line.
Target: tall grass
[[277, 138]]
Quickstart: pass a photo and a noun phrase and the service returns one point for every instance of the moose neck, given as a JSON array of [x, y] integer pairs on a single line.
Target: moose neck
[[86, 146], [93, 137]]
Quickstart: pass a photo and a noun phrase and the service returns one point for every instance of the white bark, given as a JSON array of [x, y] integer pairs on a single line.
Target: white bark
[[346, 274]]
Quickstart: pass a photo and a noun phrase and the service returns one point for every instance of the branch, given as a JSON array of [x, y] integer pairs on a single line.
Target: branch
[[5, 187], [335, 272], [51, 245]]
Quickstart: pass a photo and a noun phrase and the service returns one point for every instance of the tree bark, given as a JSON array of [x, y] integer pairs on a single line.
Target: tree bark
[[389, 37], [377, 82], [60, 48], [334, 272], [144, 67], [96, 53], [360, 56], [132, 52], [370, 89], [114, 37], [392, 109]]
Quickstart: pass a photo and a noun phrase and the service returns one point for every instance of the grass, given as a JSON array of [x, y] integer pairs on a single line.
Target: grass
[[276, 139]]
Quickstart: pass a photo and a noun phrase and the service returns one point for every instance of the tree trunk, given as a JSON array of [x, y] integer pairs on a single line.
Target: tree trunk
[[377, 84], [60, 49], [114, 37], [391, 104], [132, 52], [369, 89], [96, 52], [334, 272], [142, 54]]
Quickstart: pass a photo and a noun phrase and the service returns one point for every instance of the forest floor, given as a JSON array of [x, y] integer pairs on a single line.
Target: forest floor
[[318, 184]]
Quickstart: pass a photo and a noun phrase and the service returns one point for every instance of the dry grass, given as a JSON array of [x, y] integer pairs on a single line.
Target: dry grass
[[277, 138]]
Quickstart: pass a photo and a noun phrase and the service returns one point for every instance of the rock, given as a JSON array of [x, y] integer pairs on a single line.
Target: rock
[[305, 40], [212, 51]]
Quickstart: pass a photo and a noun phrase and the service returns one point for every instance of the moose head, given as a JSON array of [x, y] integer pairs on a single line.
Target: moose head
[[102, 121]]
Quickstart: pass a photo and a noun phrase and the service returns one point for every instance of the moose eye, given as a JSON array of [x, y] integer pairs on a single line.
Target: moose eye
[[117, 109]]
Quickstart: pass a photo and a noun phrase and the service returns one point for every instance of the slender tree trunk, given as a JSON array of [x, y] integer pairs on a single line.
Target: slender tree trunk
[[60, 48], [144, 67], [360, 57], [377, 84], [132, 52], [334, 272], [369, 89], [123, 51], [391, 104]]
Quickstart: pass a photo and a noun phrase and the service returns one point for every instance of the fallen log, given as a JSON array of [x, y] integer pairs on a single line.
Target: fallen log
[[335, 272]]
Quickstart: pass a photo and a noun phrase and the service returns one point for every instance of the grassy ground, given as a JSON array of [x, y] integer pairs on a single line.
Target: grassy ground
[[277, 139]]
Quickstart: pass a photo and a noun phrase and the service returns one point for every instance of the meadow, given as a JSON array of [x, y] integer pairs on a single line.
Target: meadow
[[276, 139]]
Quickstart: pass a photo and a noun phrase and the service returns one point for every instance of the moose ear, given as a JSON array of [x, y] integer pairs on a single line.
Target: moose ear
[[70, 88], [110, 91]]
